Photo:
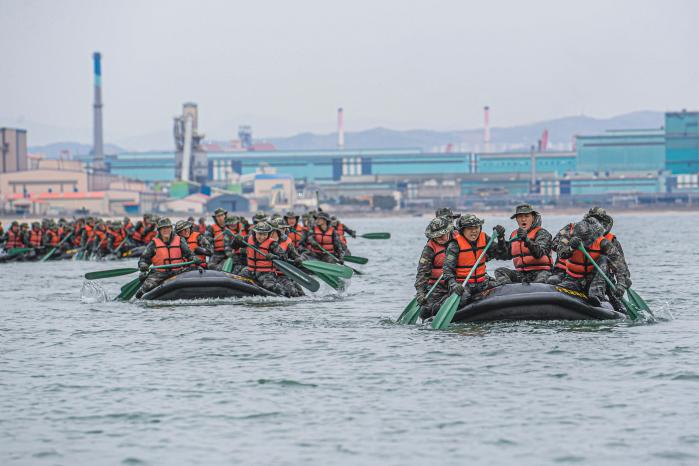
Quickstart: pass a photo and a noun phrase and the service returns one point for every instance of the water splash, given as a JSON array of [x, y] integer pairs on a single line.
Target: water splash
[[92, 292]]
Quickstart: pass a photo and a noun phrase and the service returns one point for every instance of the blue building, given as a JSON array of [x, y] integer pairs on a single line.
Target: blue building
[[682, 142], [614, 151]]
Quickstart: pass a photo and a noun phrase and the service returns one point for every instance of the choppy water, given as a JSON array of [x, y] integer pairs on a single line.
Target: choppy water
[[331, 380]]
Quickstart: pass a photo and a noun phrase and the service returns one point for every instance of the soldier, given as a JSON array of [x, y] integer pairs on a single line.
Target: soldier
[[581, 275], [461, 256], [218, 235], [324, 236], [429, 268], [529, 247], [166, 248], [341, 229], [259, 217], [447, 213], [296, 230], [234, 227], [286, 251], [197, 242]]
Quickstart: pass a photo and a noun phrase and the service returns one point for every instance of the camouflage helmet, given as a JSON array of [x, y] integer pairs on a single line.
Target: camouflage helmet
[[439, 226], [275, 216], [323, 215], [524, 209], [182, 225], [446, 212], [231, 219], [290, 214], [14, 223], [602, 216], [164, 223], [468, 220], [259, 217], [36, 224], [278, 224], [588, 231], [262, 227]]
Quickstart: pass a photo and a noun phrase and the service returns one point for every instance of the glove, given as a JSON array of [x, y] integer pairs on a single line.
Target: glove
[[239, 238], [353, 235], [144, 267], [421, 299], [521, 234], [270, 256], [620, 290], [457, 288], [575, 242], [298, 263], [500, 230], [196, 260]]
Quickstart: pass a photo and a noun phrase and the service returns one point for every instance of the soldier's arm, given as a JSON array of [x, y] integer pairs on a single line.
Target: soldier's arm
[[337, 244], [541, 244], [277, 250], [503, 251], [203, 246], [350, 231], [492, 252], [147, 256], [617, 263], [449, 269], [186, 252], [424, 270]]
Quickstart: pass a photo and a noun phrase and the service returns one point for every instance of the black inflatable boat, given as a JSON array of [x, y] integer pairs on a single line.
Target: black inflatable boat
[[534, 301], [205, 284]]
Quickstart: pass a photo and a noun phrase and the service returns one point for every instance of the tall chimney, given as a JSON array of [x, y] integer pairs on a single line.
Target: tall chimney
[[486, 129], [97, 141], [340, 129]]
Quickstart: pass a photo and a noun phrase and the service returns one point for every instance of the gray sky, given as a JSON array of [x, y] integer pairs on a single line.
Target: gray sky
[[285, 66]]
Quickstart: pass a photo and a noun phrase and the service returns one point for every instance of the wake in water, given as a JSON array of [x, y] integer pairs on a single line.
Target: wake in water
[[92, 292]]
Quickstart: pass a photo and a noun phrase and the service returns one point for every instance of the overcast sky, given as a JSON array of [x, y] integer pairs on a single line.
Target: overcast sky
[[285, 66]]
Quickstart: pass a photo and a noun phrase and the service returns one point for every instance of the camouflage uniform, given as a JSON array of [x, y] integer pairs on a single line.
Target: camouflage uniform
[[308, 240], [218, 258], [156, 277], [611, 259], [429, 305], [540, 246], [451, 260], [560, 242]]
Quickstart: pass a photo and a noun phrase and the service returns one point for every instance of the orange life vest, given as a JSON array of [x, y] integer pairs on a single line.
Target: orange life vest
[[560, 262], [14, 240], [341, 232], [219, 244], [578, 266], [467, 259], [138, 233], [54, 238], [437, 261], [324, 239], [77, 238], [202, 228], [167, 253], [193, 243], [257, 262], [35, 237], [150, 235], [285, 244], [522, 257], [296, 234]]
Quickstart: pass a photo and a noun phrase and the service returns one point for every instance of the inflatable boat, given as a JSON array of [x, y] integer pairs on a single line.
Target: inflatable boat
[[205, 284], [533, 301]]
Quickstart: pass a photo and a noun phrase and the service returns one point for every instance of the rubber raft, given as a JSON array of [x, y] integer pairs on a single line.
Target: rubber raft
[[533, 301], [205, 284]]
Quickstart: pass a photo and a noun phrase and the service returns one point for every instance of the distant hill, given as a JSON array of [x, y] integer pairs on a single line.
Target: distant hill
[[53, 151], [561, 131]]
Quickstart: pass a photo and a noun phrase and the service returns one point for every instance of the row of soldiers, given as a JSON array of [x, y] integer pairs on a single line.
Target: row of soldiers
[[251, 248], [455, 242]]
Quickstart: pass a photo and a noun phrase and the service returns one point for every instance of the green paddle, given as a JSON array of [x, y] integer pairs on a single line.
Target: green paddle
[[228, 265], [638, 301], [332, 281], [449, 307], [119, 272], [129, 290], [376, 236], [631, 308], [328, 269], [15, 251], [50, 253], [294, 273], [412, 310], [356, 259]]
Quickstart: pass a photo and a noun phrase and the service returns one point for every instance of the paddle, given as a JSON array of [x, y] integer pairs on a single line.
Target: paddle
[[449, 307], [328, 269], [227, 265], [332, 281], [376, 236], [129, 290], [356, 259], [638, 301], [631, 308], [126, 271], [295, 274], [412, 310], [15, 251], [50, 253]]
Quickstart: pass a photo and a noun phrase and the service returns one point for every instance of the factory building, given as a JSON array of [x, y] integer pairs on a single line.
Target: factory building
[[13, 149]]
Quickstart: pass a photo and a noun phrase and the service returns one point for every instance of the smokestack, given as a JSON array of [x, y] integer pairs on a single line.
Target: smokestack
[[486, 129], [97, 141], [340, 129]]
